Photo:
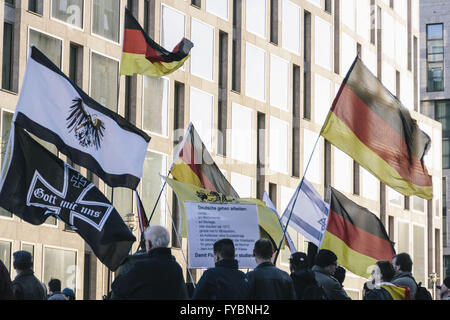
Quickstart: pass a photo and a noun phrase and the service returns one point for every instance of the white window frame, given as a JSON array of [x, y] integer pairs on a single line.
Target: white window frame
[[121, 13]]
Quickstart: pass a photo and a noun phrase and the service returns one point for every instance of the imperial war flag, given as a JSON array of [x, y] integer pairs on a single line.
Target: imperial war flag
[[37, 184], [55, 109]]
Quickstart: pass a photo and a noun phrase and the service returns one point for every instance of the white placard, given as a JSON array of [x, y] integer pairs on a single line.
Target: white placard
[[209, 222]]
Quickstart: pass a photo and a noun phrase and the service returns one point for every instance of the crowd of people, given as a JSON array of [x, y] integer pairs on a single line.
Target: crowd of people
[[153, 273]]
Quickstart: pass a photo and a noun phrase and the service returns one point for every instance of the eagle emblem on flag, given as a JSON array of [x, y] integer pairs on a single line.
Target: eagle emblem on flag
[[88, 129]]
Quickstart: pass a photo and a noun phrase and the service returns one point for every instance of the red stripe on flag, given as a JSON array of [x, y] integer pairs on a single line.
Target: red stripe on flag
[[379, 137], [359, 240]]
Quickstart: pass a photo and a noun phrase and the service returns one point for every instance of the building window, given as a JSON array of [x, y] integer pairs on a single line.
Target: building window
[[104, 75], [403, 237], [222, 104], [50, 46], [236, 49], [256, 17], [394, 197], [323, 44], [155, 105], [10, 3], [202, 56], [76, 64], [419, 253], [274, 22], [60, 264], [155, 164], [68, 11], [241, 126], [435, 57], [322, 98], [328, 6], [316, 2], [123, 200], [172, 28], [106, 19], [370, 185], [8, 53], [291, 27], [35, 6], [218, 8], [242, 184], [348, 13], [442, 114], [314, 172], [279, 79], [255, 72], [5, 253], [343, 166], [196, 3], [201, 115], [279, 150]]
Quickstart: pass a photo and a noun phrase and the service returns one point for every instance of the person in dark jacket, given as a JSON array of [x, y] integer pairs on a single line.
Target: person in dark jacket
[[159, 277], [224, 281], [324, 268], [266, 281], [6, 291], [25, 285], [403, 272], [301, 275]]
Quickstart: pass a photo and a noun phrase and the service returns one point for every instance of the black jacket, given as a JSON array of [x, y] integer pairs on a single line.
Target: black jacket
[[267, 282], [223, 282], [377, 294], [303, 279], [158, 277], [27, 287]]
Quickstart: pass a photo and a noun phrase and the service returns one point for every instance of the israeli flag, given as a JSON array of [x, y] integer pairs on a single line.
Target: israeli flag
[[310, 213]]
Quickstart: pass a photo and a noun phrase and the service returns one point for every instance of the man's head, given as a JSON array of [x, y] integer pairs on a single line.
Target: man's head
[[22, 260], [223, 249], [339, 274], [156, 237], [402, 262], [383, 271], [327, 260], [298, 261], [263, 250], [54, 285]]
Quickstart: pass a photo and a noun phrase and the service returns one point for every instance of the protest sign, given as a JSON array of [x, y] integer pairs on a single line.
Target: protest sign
[[209, 222]]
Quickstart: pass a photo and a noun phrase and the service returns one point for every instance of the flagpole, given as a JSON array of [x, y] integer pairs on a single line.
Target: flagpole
[[171, 167], [181, 245], [297, 191]]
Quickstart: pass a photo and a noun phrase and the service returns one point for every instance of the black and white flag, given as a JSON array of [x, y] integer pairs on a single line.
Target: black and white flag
[[37, 184], [55, 109]]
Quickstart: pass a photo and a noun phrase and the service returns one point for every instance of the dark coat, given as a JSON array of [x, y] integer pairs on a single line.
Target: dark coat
[[27, 287], [159, 277], [267, 282], [333, 289], [302, 279], [223, 282], [6, 291]]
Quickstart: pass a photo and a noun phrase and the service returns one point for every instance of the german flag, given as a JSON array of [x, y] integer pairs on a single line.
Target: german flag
[[372, 126], [356, 236], [195, 165], [142, 55]]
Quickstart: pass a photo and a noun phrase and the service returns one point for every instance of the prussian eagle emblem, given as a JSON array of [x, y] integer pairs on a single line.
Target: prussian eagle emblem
[[87, 128]]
